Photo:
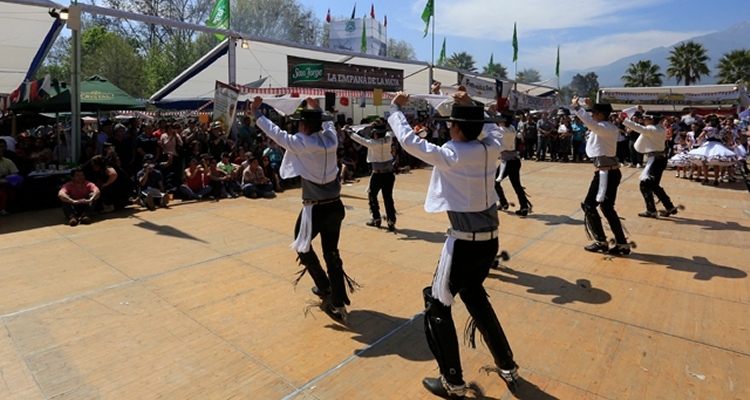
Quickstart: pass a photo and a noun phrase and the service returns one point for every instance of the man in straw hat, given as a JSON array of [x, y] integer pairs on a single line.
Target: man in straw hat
[[601, 147], [383, 175], [651, 143], [311, 154], [462, 184]]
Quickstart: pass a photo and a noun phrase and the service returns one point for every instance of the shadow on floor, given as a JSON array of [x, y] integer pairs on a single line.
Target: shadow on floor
[[711, 225], [413, 234], [703, 269], [166, 230], [565, 292], [550, 219]]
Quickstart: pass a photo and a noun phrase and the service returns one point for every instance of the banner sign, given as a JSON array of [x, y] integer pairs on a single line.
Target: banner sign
[[717, 98], [522, 101], [346, 34], [303, 72], [476, 87], [225, 104]]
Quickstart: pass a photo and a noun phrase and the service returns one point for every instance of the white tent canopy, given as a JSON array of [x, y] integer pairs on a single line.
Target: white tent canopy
[[24, 27], [269, 60], [676, 98]]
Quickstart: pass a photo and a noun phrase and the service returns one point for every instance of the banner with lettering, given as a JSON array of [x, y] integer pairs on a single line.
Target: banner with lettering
[[667, 98], [303, 72], [477, 87], [522, 101], [225, 104]]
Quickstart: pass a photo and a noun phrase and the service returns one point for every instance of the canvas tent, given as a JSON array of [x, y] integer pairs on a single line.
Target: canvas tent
[[677, 98], [268, 60], [97, 94], [26, 36]]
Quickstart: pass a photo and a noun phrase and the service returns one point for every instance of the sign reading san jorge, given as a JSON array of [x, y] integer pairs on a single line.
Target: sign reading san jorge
[[328, 75]]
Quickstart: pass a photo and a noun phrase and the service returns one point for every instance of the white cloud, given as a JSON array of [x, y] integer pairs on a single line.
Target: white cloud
[[603, 50], [490, 19]]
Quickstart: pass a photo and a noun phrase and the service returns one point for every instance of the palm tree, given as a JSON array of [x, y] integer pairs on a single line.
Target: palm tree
[[642, 74], [528, 75], [687, 62], [463, 61], [495, 70], [734, 67]]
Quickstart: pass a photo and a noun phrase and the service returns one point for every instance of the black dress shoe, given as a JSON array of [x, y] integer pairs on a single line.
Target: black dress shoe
[[439, 387], [597, 247], [668, 212], [504, 206], [620, 249], [338, 314], [522, 212], [391, 226], [647, 214], [373, 222]]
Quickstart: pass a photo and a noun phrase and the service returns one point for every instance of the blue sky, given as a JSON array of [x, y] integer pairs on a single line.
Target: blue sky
[[590, 33]]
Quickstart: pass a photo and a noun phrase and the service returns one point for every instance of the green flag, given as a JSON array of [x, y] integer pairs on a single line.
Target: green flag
[[363, 45], [429, 11], [515, 43], [441, 59], [219, 18], [491, 65], [557, 64]]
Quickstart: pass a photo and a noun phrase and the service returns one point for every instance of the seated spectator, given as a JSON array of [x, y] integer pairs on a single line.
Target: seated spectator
[[89, 151], [232, 170], [195, 186], [271, 174], [246, 133], [114, 184], [215, 177], [78, 197], [254, 181], [8, 171], [151, 184], [146, 143], [218, 141]]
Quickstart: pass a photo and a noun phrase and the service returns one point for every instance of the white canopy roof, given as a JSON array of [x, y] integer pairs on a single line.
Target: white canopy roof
[[676, 98], [24, 27]]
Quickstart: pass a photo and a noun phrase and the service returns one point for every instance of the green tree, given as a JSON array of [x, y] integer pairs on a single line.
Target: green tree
[[114, 58], [529, 75], [734, 67], [496, 70], [401, 49], [462, 61], [687, 62], [278, 19], [585, 85], [642, 74]]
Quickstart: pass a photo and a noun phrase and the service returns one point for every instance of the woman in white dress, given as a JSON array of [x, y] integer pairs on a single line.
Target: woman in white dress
[[712, 153]]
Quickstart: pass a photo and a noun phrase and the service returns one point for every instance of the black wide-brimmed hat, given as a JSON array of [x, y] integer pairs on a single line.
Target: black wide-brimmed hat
[[310, 115], [380, 129], [604, 108], [467, 113]]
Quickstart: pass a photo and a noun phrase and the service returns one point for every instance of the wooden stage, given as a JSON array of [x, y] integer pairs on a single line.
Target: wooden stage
[[197, 302]]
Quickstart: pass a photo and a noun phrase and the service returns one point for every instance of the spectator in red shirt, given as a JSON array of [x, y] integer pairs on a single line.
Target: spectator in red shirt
[[77, 198], [195, 186]]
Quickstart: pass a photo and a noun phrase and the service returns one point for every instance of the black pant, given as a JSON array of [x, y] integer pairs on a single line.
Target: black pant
[[513, 172], [529, 148], [651, 186], [622, 150], [635, 156], [470, 267], [593, 221], [382, 181], [577, 151], [326, 221], [77, 210]]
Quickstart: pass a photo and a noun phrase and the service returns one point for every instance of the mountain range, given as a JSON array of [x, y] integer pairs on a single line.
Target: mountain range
[[716, 44]]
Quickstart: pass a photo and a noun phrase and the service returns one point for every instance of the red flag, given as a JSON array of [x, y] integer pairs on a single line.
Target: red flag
[[385, 20], [372, 11], [328, 16]]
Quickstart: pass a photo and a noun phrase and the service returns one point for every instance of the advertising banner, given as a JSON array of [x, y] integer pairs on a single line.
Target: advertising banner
[[303, 72], [666, 98], [347, 35], [225, 104]]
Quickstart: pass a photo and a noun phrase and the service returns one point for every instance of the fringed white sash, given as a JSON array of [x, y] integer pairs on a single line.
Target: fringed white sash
[[302, 243], [440, 288], [603, 175], [645, 175], [502, 172]]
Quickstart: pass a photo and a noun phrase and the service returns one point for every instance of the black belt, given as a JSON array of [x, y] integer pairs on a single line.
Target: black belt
[[382, 171], [319, 202]]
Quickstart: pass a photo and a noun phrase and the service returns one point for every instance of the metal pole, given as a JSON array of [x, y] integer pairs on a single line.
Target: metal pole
[[74, 24], [232, 61]]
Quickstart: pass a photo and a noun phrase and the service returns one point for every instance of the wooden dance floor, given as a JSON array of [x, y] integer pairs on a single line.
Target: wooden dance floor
[[197, 302]]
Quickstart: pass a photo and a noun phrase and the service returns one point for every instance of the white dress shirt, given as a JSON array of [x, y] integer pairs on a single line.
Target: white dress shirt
[[602, 140], [651, 139]]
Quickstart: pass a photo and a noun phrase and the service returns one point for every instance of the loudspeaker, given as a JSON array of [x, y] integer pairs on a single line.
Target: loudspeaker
[[330, 101]]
